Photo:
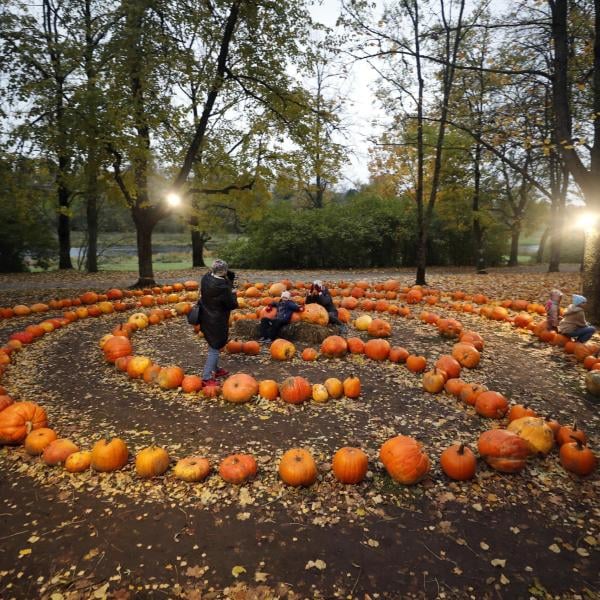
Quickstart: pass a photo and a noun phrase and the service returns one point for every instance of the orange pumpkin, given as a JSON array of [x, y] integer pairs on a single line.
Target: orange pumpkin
[[295, 390], [503, 450], [170, 378], [334, 346], [470, 392], [137, 365], [233, 346], [314, 313], [433, 381], [192, 469], [5, 400], [19, 419], [297, 468], [379, 328], [109, 456], [449, 365], [416, 364], [565, 435], [191, 384], [377, 349], [335, 388], [238, 468], [268, 388], [517, 411], [578, 459], [404, 459], [309, 354], [282, 349], [466, 354], [37, 440], [351, 387], [398, 354], [58, 451], [349, 465], [240, 388], [454, 386], [151, 462], [491, 404], [251, 348], [473, 338], [78, 461], [449, 327], [458, 462], [115, 347], [355, 345]]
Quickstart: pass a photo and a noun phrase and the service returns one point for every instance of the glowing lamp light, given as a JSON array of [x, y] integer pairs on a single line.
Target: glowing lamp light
[[587, 221], [173, 200]]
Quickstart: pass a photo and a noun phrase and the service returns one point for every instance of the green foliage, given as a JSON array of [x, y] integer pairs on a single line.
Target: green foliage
[[25, 238]]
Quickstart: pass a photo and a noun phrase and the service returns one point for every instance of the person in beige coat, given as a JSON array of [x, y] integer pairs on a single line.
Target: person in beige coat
[[573, 323]]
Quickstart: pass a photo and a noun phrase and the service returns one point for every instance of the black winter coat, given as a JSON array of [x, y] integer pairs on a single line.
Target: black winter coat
[[218, 300], [324, 299]]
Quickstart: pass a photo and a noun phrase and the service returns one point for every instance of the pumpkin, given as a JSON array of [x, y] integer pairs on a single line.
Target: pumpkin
[[449, 365], [377, 349], [239, 388], [458, 462], [517, 411], [319, 393], [140, 320], [334, 346], [109, 456], [379, 328], [297, 468], [19, 419], [454, 386], [151, 462], [592, 381], [37, 440], [56, 452], [398, 354], [295, 390], [309, 354], [351, 386], [238, 468], [565, 434], [535, 432], [170, 378], [577, 458], [491, 404], [151, 373], [211, 391], [192, 469], [349, 465], [78, 461], [553, 424], [355, 345], [282, 349], [268, 388], [191, 384], [314, 313], [5, 400], [414, 296], [251, 348], [233, 346], [416, 364], [473, 338], [115, 347], [362, 323], [503, 450], [466, 354], [335, 388], [89, 297], [470, 392], [449, 327], [404, 459], [137, 365], [433, 381]]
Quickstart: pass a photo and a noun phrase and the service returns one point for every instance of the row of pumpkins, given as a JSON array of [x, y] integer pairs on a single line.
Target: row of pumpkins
[[403, 457]]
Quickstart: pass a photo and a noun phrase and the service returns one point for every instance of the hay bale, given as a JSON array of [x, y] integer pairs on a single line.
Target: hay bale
[[306, 333]]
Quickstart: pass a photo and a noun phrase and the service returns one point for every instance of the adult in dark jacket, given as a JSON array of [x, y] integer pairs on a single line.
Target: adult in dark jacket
[[319, 294], [270, 327], [574, 324], [218, 300]]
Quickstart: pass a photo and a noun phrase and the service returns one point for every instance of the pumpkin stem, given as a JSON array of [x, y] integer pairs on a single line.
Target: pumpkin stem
[[577, 441], [461, 449], [574, 425]]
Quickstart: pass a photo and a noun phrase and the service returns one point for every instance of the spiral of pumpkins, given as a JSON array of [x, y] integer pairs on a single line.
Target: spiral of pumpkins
[[505, 450]]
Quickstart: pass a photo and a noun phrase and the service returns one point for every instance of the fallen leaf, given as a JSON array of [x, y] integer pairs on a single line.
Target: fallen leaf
[[582, 552], [24, 552], [373, 543], [477, 507], [554, 548], [260, 577], [237, 570], [315, 564], [498, 562]]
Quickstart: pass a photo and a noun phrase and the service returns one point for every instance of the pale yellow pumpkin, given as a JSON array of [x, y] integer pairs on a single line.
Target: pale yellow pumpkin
[[535, 432]]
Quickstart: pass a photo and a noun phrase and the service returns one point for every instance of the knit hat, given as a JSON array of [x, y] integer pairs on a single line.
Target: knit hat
[[219, 267], [577, 299], [318, 283], [285, 295], [556, 294]]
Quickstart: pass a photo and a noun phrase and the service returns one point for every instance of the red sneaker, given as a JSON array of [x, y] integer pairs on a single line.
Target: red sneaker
[[221, 373], [209, 382]]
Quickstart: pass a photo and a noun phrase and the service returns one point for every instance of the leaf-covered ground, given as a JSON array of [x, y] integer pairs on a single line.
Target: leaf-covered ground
[[535, 534]]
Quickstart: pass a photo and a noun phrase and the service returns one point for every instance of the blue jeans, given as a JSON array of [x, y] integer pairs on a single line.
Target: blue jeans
[[211, 364], [583, 334]]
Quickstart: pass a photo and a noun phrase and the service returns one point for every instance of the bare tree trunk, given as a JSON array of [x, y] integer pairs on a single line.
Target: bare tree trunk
[[539, 255], [144, 228], [477, 228], [515, 235], [64, 220]]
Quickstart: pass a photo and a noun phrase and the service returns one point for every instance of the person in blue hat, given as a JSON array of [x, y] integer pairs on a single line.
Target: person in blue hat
[[573, 323]]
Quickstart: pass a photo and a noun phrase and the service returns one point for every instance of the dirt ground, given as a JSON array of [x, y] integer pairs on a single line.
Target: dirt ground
[[531, 535]]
